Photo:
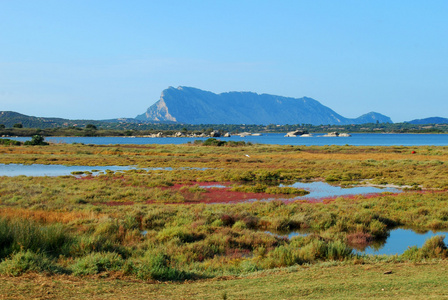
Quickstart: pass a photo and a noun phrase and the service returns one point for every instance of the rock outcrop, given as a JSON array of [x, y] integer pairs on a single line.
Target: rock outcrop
[[194, 106], [295, 133]]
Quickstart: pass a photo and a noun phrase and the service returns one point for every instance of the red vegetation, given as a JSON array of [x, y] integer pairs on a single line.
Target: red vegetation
[[220, 192], [217, 194], [359, 240], [111, 203]]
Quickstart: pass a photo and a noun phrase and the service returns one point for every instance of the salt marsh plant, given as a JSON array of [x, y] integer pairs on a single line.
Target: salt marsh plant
[[126, 223]]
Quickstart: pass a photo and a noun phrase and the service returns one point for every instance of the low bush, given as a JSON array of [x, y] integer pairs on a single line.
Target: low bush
[[9, 142], [157, 267], [262, 188], [282, 256], [433, 247], [95, 263], [220, 143], [26, 261], [22, 235], [36, 140], [286, 190]]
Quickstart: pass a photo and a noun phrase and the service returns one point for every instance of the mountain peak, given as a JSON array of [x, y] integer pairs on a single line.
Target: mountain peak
[[194, 106]]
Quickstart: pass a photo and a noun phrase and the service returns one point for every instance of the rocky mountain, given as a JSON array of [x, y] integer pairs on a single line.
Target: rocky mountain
[[194, 106], [432, 120]]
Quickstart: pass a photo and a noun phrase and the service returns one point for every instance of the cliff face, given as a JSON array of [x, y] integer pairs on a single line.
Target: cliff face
[[194, 106]]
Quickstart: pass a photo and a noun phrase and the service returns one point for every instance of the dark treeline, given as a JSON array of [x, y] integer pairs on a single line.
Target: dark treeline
[[134, 129]]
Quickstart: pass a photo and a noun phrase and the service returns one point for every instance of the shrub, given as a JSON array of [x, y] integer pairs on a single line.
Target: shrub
[[9, 142], [412, 253], [434, 247], [359, 238], [318, 249], [101, 243], [282, 256], [157, 266], [286, 191], [332, 178], [443, 215], [95, 263], [248, 266], [262, 188], [182, 233], [213, 142], [193, 189], [24, 261], [239, 225], [17, 235], [280, 224], [250, 222], [337, 251], [227, 220], [36, 140], [378, 229]]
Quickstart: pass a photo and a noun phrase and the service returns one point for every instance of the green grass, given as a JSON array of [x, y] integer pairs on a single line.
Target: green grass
[[337, 281]]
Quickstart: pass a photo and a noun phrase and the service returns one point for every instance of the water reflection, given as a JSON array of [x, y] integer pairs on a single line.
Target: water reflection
[[322, 190], [397, 242], [54, 170], [61, 170]]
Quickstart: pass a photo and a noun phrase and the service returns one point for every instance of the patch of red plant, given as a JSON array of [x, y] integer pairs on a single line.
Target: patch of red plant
[[327, 200], [220, 194], [111, 203], [359, 240], [205, 184]]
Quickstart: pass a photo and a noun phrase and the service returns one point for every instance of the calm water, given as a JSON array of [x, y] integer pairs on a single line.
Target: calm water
[[398, 241], [319, 191], [322, 190], [357, 139], [53, 170], [61, 170]]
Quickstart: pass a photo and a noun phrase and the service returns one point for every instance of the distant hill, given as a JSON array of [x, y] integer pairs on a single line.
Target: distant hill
[[432, 120], [9, 118], [194, 106]]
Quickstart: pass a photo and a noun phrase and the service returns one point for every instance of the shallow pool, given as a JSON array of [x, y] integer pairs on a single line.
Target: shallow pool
[[61, 170], [53, 170], [321, 190], [398, 241]]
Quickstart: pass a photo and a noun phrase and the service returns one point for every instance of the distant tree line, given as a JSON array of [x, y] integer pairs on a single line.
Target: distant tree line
[[131, 129]]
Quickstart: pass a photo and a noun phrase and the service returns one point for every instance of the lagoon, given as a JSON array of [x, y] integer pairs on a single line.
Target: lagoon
[[357, 139]]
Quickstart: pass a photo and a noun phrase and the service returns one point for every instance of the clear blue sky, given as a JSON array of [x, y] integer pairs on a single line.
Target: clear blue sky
[[92, 59]]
